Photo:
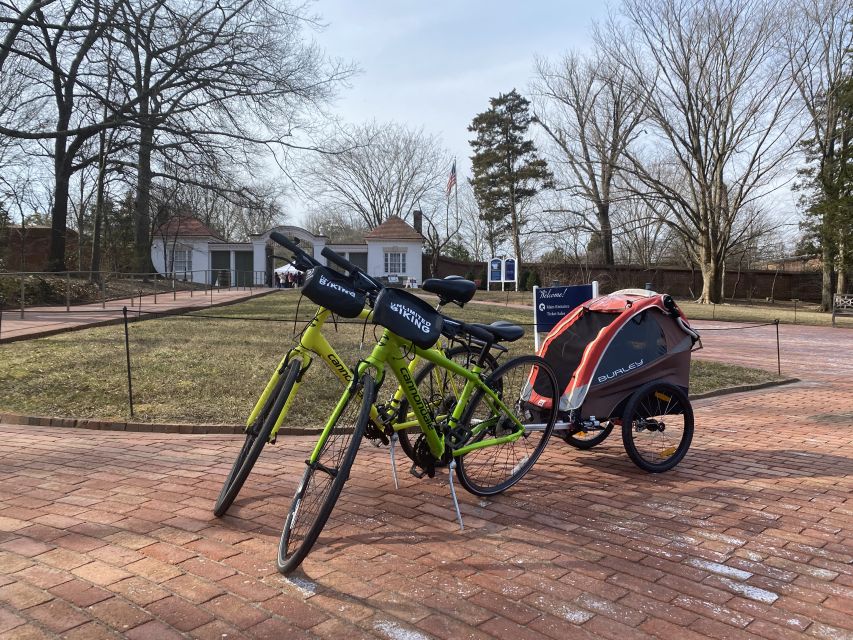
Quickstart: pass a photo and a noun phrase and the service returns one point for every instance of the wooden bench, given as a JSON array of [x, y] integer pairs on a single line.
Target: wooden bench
[[842, 305]]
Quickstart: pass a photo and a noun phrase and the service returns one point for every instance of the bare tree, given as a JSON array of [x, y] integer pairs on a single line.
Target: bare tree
[[472, 236], [378, 170], [216, 79], [643, 237], [589, 112], [56, 42], [720, 120], [819, 36]]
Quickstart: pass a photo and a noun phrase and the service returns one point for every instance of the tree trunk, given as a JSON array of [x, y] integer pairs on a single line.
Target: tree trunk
[[59, 215], [142, 204], [606, 233], [710, 277], [95, 263], [841, 283], [826, 281]]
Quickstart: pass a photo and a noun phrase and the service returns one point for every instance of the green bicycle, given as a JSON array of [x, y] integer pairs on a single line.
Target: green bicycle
[[386, 420], [490, 436]]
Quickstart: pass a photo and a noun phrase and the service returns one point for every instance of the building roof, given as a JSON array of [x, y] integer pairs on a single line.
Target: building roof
[[186, 227], [394, 228]]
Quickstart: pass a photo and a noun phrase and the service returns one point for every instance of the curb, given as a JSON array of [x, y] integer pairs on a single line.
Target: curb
[[235, 429], [141, 317], [138, 427], [744, 388]]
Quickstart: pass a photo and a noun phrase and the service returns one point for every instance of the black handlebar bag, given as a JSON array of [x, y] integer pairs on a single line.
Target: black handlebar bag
[[408, 316], [336, 292]]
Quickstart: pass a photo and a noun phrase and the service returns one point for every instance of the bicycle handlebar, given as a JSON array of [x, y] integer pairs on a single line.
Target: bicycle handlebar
[[303, 260], [351, 269]]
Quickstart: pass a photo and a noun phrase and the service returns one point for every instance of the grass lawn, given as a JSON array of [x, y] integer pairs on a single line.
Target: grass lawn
[[195, 369]]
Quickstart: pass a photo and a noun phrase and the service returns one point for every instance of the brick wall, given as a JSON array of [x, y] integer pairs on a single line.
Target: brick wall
[[677, 281]]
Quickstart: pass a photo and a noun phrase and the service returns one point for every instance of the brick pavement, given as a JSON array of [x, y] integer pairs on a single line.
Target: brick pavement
[[44, 321], [105, 535]]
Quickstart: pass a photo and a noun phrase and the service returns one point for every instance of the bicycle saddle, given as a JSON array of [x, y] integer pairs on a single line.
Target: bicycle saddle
[[451, 289], [502, 330]]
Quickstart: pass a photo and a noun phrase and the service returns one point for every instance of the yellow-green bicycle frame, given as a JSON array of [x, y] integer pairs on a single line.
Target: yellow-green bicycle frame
[[390, 351], [311, 343]]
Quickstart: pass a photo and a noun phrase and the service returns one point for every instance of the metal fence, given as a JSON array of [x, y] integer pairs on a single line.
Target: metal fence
[[28, 289]]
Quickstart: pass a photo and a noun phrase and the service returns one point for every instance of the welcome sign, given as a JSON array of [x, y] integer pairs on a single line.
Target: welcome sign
[[552, 304]]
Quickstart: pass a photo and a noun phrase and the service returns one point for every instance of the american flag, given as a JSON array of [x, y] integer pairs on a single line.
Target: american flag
[[451, 180]]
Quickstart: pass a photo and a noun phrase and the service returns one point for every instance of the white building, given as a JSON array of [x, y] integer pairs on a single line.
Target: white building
[[189, 250]]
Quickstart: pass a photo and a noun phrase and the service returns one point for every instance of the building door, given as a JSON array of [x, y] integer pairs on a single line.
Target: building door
[[359, 259], [244, 264], [220, 262]]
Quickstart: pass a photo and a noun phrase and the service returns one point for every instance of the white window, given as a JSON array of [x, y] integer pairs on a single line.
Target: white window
[[395, 262], [182, 261]]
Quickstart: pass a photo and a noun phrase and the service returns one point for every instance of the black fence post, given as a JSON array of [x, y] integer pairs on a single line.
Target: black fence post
[[778, 351], [127, 353]]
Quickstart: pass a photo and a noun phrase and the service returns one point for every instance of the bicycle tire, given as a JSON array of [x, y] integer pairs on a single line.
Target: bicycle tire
[[429, 395], [315, 499], [256, 438], [494, 469], [659, 451]]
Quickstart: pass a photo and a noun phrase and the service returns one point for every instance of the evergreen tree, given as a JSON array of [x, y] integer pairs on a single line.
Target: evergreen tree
[[829, 196], [507, 170]]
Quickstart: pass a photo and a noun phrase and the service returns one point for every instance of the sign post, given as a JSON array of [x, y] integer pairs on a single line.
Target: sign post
[[510, 272], [502, 270], [552, 304], [495, 272]]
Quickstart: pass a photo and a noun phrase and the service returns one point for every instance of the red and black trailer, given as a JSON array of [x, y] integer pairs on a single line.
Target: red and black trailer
[[623, 359]]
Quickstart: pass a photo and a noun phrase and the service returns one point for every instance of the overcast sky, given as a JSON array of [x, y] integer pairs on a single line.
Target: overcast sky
[[436, 64]]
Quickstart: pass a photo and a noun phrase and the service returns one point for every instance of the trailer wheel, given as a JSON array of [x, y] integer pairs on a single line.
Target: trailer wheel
[[657, 426], [588, 439]]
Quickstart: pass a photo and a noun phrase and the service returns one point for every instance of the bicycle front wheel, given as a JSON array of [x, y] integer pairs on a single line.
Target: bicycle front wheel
[[324, 478], [256, 437], [495, 468]]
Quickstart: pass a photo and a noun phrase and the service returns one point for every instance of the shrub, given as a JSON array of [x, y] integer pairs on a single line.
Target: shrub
[[45, 290], [532, 280]]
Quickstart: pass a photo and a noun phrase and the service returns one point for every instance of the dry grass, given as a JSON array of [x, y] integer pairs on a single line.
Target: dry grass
[[199, 369]]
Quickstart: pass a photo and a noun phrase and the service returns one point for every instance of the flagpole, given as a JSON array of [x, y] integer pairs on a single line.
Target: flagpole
[[456, 188]]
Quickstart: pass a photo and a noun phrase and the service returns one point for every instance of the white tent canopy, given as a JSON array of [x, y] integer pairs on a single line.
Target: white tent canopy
[[288, 268]]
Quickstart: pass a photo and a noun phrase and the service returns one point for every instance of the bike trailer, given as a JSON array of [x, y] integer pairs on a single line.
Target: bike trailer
[[608, 347]]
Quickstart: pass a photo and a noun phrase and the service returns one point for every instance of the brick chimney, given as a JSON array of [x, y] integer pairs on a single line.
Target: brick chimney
[[418, 220]]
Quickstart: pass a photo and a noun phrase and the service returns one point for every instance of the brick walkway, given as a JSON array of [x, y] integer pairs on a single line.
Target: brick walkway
[[111, 534], [43, 321]]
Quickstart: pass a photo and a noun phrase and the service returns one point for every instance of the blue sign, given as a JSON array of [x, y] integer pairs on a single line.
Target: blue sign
[[552, 304], [495, 270], [509, 270]]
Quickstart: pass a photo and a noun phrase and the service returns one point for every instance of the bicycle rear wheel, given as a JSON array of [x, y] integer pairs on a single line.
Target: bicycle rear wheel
[[493, 469], [256, 437], [324, 478]]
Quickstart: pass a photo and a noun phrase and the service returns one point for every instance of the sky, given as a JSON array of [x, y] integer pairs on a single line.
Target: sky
[[436, 64]]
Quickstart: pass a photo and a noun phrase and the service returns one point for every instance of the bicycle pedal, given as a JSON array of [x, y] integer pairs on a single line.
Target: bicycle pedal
[[417, 472]]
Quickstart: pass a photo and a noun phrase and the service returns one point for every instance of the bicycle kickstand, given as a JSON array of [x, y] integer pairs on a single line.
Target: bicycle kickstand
[[393, 448], [451, 469]]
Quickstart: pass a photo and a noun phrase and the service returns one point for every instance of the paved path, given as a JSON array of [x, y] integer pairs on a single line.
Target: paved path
[[751, 536], [42, 321]]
